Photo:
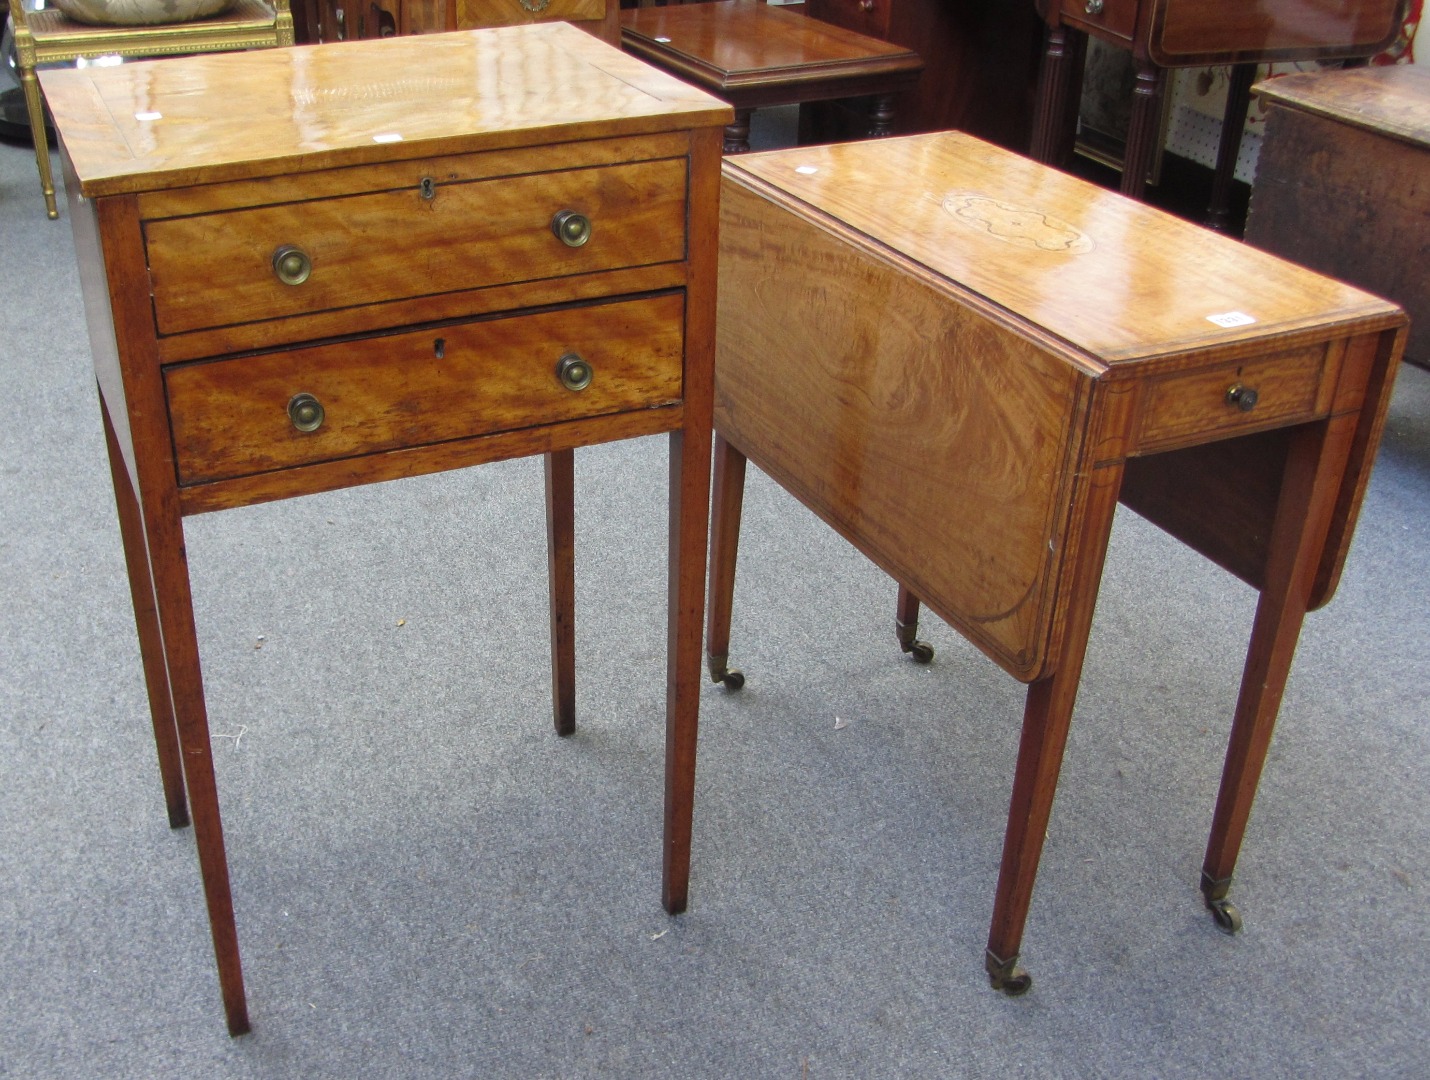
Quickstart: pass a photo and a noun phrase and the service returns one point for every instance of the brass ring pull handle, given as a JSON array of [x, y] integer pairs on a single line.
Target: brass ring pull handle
[[574, 373], [1094, 7], [571, 228], [1243, 397], [292, 265], [306, 412]]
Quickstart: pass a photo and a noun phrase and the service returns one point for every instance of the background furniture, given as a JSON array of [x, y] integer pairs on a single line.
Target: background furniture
[[1189, 33], [1341, 185], [980, 61], [347, 20], [48, 37], [331, 288], [961, 360], [752, 56]]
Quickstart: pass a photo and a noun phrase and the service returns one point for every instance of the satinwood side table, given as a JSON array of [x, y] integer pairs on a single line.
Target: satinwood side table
[[961, 360], [397, 257]]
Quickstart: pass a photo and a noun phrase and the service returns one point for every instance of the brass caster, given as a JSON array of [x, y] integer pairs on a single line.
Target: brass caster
[[730, 678], [1009, 976], [921, 652], [1228, 919]]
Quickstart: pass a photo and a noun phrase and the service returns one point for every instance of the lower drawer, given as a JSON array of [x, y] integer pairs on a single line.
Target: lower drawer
[[277, 410]]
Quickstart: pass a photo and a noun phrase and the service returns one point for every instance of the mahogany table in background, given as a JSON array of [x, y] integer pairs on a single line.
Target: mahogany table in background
[[1190, 33], [755, 56], [384, 266], [961, 360]]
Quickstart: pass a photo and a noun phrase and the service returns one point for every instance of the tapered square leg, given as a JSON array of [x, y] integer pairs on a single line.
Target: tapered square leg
[[561, 575]]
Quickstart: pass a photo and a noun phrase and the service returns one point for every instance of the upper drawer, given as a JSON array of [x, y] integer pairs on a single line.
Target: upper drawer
[[239, 416], [218, 269]]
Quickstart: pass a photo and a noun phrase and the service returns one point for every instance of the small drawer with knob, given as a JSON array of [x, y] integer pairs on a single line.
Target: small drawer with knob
[[426, 237], [252, 414], [1111, 17], [1231, 398]]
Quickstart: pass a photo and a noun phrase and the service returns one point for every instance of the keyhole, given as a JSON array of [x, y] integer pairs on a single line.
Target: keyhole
[[439, 348], [428, 188]]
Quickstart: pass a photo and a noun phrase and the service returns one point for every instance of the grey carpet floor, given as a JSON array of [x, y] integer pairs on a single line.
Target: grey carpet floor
[[430, 884]]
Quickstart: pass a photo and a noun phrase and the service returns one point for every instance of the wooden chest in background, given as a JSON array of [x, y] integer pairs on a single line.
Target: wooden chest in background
[[1343, 184]]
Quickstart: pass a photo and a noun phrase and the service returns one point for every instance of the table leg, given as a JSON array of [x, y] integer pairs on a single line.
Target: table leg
[[1315, 462], [906, 627], [561, 578], [728, 498], [1238, 101], [881, 116], [151, 643], [1143, 129], [169, 572], [1056, 79], [34, 107], [689, 519], [737, 134], [1046, 716]]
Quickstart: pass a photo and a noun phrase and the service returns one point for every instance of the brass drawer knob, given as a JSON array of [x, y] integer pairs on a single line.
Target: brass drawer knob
[[1243, 397], [571, 228], [574, 372], [306, 412], [1094, 7], [292, 265]]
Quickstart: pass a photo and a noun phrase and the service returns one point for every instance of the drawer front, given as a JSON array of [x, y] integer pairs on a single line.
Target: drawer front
[[232, 417], [219, 269], [1231, 398], [474, 14], [1111, 17]]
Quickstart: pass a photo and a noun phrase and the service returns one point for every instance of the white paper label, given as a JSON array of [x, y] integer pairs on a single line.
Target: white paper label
[[807, 170], [1229, 319], [390, 136], [145, 117]]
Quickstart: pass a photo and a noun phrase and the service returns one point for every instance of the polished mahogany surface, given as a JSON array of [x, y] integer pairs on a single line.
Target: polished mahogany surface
[[151, 125], [736, 42], [1106, 274]]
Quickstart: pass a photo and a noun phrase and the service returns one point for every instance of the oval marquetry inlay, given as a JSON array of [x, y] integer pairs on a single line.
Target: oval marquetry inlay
[[1017, 224]]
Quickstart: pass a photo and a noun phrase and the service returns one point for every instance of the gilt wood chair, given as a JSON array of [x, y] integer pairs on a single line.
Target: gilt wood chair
[[48, 36]]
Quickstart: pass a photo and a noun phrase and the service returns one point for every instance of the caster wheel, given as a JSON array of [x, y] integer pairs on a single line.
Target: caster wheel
[[733, 680], [1015, 984], [1228, 919], [921, 652]]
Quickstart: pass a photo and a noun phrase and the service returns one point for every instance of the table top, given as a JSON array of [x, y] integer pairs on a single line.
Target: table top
[[1115, 278], [1392, 100], [737, 42], [202, 119]]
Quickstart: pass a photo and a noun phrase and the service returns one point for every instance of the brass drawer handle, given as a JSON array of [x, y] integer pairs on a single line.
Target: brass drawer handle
[[574, 372], [571, 228], [1094, 7], [1243, 397], [292, 265], [306, 412]]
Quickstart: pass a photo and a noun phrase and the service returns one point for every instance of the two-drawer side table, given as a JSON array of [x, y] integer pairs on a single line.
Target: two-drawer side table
[[397, 257], [961, 360]]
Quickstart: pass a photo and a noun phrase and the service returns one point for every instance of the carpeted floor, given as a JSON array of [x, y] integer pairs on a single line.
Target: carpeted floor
[[430, 884]]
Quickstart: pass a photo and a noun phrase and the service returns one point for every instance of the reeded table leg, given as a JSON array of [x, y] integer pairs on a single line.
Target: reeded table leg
[[151, 645], [728, 499], [34, 106], [1142, 129], [1316, 459], [1057, 77], [561, 576]]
